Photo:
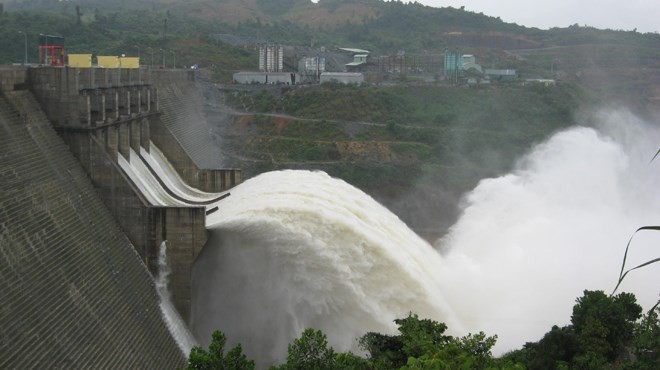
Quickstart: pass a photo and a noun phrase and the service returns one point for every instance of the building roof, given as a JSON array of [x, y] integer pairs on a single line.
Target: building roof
[[356, 51], [501, 72], [341, 74], [260, 73]]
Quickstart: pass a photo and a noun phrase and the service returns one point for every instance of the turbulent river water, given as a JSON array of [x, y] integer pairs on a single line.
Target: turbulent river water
[[295, 249]]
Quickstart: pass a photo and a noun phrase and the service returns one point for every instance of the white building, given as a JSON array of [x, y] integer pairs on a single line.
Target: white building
[[271, 58]]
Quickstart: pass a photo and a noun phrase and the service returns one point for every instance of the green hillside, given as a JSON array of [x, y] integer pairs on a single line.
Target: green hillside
[[379, 26], [415, 147], [417, 138]]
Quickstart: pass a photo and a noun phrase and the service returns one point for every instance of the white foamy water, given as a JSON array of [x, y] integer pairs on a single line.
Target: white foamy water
[[173, 320], [297, 249], [530, 242]]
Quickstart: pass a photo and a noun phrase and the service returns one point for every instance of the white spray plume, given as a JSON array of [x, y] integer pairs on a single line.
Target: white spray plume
[[530, 242]]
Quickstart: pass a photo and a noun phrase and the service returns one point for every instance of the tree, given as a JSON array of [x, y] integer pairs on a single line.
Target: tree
[[646, 341], [214, 358], [558, 346], [422, 344], [310, 352], [420, 336], [350, 361], [385, 351], [604, 325]]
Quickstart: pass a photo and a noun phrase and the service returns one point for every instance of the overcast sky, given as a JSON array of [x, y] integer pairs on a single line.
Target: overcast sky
[[614, 14]]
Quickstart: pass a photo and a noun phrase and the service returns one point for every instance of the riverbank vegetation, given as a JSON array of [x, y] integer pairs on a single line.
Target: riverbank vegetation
[[606, 332]]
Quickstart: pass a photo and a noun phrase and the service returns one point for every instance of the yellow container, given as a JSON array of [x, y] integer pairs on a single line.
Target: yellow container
[[80, 60], [108, 61], [129, 62]]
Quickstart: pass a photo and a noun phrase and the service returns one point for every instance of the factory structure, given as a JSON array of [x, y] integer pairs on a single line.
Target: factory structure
[[311, 67], [345, 65], [271, 58], [281, 65], [51, 50]]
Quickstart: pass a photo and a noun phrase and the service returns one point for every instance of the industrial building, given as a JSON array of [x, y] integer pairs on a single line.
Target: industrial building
[[51, 50], [283, 78], [343, 77], [501, 74], [360, 59], [310, 68], [410, 63], [453, 65], [470, 63], [271, 58]]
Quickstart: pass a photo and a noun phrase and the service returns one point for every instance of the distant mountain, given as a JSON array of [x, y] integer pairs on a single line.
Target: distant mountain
[[326, 14]]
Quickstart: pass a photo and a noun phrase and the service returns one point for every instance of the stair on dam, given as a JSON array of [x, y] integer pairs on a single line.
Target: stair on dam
[[75, 294]]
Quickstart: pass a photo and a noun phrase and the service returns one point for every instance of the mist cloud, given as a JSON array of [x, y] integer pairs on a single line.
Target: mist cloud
[[528, 243]]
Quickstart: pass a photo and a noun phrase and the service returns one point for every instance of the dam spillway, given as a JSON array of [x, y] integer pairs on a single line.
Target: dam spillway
[[290, 250]]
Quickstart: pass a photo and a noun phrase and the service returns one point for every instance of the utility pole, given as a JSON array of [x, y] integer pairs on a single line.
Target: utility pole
[[152, 55], [25, 59]]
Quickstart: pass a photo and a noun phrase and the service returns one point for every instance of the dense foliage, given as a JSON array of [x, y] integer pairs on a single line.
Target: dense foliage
[[215, 358], [605, 333]]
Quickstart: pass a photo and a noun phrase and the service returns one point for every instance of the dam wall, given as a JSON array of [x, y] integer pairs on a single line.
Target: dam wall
[[75, 293], [104, 113]]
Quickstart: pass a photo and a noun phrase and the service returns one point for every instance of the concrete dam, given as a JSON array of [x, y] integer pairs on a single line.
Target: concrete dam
[[79, 234]]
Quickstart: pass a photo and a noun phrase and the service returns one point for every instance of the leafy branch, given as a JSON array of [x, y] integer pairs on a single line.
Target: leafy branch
[[622, 273]]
